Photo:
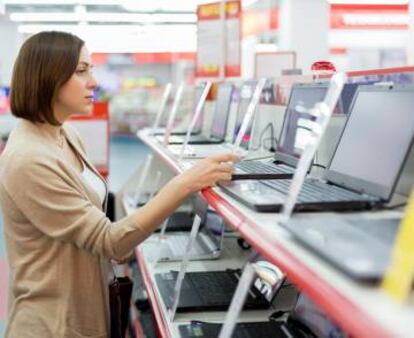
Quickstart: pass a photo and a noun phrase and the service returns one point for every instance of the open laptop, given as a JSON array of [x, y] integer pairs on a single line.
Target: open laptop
[[305, 320], [356, 244], [287, 156], [198, 91], [270, 329], [207, 291], [200, 151], [207, 245], [219, 123], [366, 164]]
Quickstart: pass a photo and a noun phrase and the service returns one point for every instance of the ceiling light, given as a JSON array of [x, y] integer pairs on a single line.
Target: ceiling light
[[103, 17], [130, 38], [62, 2]]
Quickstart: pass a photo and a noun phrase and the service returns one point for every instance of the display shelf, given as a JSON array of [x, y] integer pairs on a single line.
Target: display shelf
[[232, 257], [361, 310]]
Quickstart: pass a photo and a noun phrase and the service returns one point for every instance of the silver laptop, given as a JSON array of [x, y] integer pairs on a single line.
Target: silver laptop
[[219, 124], [245, 101], [207, 245], [159, 133]]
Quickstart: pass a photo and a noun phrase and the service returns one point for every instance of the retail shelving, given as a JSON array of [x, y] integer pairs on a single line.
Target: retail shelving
[[361, 310]]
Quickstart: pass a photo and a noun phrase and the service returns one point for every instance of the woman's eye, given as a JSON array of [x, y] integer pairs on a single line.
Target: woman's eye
[[81, 71]]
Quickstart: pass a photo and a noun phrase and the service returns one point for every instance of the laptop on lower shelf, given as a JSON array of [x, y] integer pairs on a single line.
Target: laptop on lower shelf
[[179, 221], [366, 165], [359, 247], [305, 320], [207, 291], [208, 243], [269, 329]]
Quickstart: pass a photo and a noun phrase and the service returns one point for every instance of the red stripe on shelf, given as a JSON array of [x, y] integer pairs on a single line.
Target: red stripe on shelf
[[4, 282], [373, 72], [382, 71], [149, 286]]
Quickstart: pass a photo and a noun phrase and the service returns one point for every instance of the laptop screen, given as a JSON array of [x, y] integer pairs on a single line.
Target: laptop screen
[[345, 100], [305, 95], [212, 227], [309, 314], [375, 140], [246, 93], [219, 125]]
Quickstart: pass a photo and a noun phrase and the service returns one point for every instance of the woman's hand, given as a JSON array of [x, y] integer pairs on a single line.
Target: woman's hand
[[207, 172]]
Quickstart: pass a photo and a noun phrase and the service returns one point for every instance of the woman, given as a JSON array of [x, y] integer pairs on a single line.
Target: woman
[[58, 239]]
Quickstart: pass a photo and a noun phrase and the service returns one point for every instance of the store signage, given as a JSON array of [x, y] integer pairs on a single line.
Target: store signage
[[369, 17], [400, 276], [210, 50]]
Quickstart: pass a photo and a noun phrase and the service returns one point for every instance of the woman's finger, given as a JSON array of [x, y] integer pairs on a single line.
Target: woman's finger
[[226, 167]]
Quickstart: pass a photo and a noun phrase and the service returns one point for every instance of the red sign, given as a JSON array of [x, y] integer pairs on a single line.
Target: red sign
[[212, 11], [209, 49], [369, 17]]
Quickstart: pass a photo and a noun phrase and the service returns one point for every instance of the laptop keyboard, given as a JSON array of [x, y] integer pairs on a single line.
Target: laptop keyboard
[[256, 167], [316, 191], [178, 244], [214, 289], [242, 330]]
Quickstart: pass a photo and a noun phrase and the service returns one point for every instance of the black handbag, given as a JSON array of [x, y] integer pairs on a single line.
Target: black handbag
[[120, 291]]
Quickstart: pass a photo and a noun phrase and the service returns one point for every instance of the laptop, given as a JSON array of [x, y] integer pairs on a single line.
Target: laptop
[[201, 151], [305, 320], [287, 156], [198, 91], [180, 221], [359, 246], [208, 243], [207, 291], [219, 123], [270, 329], [366, 164]]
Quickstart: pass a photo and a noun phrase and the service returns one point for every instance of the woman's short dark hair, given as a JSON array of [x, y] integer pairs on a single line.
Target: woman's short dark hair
[[46, 61]]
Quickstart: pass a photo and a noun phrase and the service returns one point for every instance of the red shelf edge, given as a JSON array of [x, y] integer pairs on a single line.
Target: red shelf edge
[[155, 306]]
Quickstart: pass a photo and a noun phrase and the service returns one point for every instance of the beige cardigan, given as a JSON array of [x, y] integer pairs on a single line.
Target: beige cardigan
[[58, 239]]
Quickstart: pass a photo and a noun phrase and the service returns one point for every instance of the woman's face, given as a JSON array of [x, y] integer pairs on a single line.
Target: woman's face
[[76, 95]]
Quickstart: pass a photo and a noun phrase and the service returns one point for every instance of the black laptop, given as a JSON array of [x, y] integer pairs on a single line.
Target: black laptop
[[269, 329], [207, 291], [366, 164], [358, 246], [287, 156], [219, 123], [305, 320]]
